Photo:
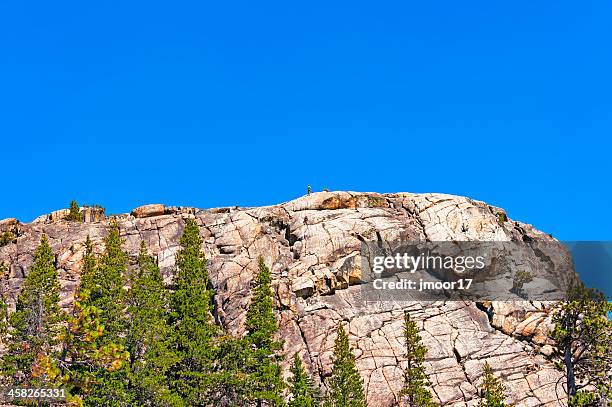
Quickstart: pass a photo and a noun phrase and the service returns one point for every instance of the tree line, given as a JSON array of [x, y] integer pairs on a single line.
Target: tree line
[[130, 341]]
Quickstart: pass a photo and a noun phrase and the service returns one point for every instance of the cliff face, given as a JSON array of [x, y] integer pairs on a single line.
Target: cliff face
[[312, 246]]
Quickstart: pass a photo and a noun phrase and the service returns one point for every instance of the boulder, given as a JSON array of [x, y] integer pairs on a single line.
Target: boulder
[[147, 211]]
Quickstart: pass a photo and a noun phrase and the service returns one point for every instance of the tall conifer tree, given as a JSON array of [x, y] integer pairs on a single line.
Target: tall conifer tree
[[345, 384], [105, 281], [261, 326], [149, 338], [415, 388], [302, 389], [191, 318], [86, 363], [89, 264], [104, 286], [36, 325]]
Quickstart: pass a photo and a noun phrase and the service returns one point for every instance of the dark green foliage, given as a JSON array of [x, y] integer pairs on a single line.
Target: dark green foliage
[[231, 384], [263, 363], [345, 384], [85, 363], [105, 281], [246, 370], [416, 381], [492, 392], [191, 318], [501, 218], [88, 272], [260, 320], [308, 189], [302, 390], [111, 386], [583, 335], [6, 238], [149, 339], [325, 189], [36, 324], [75, 214]]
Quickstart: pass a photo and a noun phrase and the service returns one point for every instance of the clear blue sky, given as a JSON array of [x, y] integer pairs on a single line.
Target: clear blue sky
[[244, 103]]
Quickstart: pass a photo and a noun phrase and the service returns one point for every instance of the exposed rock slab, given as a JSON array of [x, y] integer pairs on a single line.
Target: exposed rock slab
[[311, 245]]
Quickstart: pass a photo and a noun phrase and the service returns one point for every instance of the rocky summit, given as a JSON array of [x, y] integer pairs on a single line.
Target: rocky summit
[[312, 245]]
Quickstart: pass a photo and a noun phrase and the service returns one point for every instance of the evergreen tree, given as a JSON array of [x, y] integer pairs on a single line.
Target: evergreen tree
[[85, 361], [75, 212], [105, 282], [303, 391], [492, 392], [232, 380], [36, 324], [191, 318], [149, 338], [104, 286], [88, 270], [247, 369], [261, 328], [415, 379], [346, 385], [583, 335], [260, 322]]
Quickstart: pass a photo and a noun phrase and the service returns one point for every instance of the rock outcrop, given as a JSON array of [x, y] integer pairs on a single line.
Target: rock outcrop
[[312, 245]]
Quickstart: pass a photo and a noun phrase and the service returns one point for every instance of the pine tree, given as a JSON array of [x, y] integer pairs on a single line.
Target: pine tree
[[492, 392], [106, 293], [346, 385], [84, 359], [75, 212], [89, 263], [583, 335], [149, 338], [191, 318], [261, 328], [247, 370], [105, 282], [260, 322], [36, 325], [302, 389], [415, 379], [232, 384]]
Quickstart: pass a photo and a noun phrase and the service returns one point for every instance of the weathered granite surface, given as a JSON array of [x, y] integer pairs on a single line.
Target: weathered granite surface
[[312, 245]]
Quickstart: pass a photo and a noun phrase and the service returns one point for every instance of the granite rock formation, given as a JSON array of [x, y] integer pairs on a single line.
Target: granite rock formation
[[312, 245]]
